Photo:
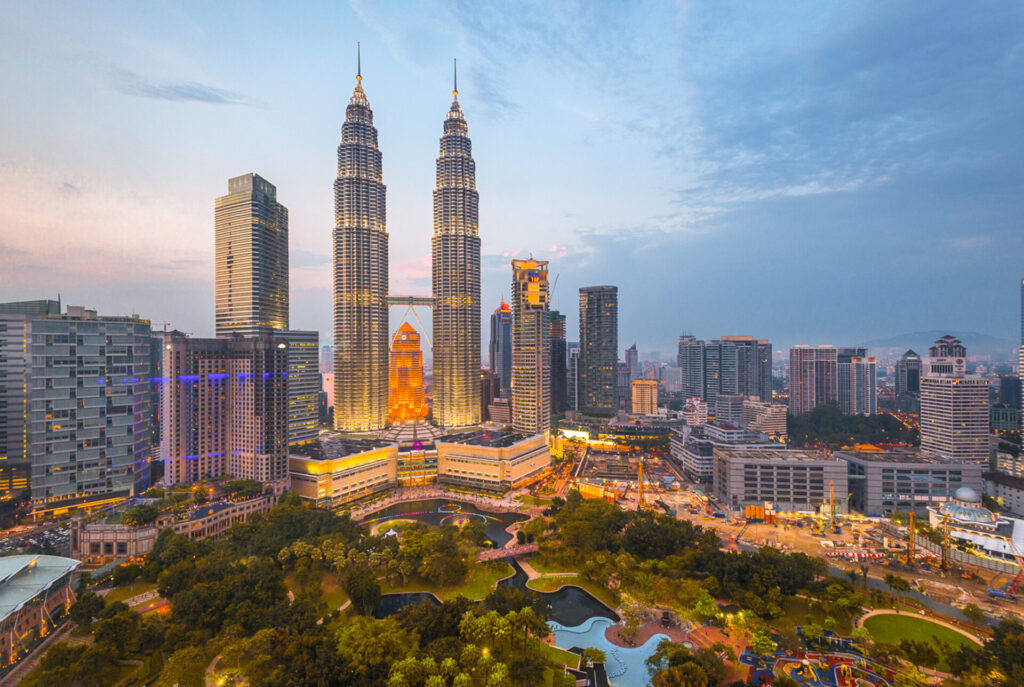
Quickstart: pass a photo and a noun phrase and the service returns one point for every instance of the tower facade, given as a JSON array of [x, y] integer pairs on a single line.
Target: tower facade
[[405, 379], [251, 230], [813, 374], [501, 347], [360, 274], [559, 362], [456, 277], [599, 349], [531, 356]]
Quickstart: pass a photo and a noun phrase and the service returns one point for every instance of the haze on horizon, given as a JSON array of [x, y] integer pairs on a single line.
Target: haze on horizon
[[803, 172]]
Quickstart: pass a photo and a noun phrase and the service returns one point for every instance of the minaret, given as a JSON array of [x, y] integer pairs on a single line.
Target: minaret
[[360, 274], [456, 276]]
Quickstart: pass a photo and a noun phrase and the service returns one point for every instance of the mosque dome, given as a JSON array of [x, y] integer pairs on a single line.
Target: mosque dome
[[966, 508], [966, 495]]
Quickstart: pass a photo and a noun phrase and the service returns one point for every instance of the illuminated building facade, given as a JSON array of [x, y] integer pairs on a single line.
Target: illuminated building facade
[[77, 404], [251, 230], [456, 277], [360, 274], [531, 353], [599, 349], [645, 396], [405, 379], [501, 347], [813, 378], [224, 408], [303, 385]]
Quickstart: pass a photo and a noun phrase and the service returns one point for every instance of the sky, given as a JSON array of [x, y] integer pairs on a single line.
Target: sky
[[807, 172]]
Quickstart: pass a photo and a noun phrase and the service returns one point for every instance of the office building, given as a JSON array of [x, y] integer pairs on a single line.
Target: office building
[[224, 408], [303, 385], [690, 360], [622, 388], [81, 383], [491, 461], [904, 479], [633, 363], [645, 396], [729, 410], [490, 389], [456, 277], [573, 376], [360, 274], [1009, 391], [531, 352], [559, 363], [501, 347], [1007, 490], [721, 369], [337, 470], [753, 366], [251, 258], [407, 399], [327, 360], [812, 378], [693, 447], [856, 382], [954, 406], [599, 349], [768, 418], [792, 480], [695, 411], [908, 374], [1004, 418]]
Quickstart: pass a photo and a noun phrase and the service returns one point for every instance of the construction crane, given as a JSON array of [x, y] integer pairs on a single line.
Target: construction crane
[[945, 541], [831, 504]]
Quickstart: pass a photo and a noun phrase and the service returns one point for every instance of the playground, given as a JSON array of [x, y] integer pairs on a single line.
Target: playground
[[813, 670]]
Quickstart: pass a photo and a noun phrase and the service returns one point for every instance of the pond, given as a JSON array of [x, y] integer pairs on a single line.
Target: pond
[[568, 606], [625, 667], [446, 512], [393, 604]]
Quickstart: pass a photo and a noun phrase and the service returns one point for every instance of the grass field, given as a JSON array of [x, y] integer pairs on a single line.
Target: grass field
[[543, 565], [551, 583], [533, 500], [795, 611], [892, 628], [129, 590], [479, 583]]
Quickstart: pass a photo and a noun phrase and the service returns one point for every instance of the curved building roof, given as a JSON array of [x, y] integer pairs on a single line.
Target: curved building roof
[[24, 577]]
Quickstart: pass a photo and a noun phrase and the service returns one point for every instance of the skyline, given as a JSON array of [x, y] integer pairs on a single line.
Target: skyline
[[808, 162]]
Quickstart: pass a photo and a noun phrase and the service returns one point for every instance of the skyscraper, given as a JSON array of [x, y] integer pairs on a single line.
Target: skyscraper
[[599, 349], [644, 397], [856, 381], [360, 274], [224, 408], [251, 230], [501, 347], [303, 384], [812, 378], [531, 363], [844, 376], [559, 371], [690, 361], [633, 363], [954, 405], [721, 369], [753, 366], [908, 374], [573, 376], [407, 399], [456, 276]]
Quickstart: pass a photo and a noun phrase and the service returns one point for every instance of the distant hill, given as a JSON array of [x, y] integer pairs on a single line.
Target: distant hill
[[976, 343]]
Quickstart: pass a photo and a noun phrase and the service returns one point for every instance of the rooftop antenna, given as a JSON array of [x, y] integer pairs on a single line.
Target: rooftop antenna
[[359, 63], [455, 74]]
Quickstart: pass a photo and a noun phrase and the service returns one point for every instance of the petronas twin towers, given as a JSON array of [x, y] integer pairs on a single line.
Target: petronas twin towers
[[361, 275]]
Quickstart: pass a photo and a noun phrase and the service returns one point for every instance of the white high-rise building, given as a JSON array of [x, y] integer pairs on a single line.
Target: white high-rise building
[[954, 405]]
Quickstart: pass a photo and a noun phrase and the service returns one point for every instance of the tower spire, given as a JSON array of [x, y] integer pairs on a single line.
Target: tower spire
[[455, 74], [359, 63]]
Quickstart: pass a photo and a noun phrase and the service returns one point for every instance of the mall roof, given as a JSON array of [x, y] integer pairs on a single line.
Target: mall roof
[[24, 577], [334, 446], [484, 437]]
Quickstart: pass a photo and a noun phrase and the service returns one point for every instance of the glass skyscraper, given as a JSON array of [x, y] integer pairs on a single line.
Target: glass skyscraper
[[599, 349]]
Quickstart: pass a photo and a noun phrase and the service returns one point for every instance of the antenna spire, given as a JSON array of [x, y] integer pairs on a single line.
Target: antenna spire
[[455, 74], [359, 63]]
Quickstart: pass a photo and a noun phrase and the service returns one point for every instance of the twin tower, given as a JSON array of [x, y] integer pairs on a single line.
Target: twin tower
[[361, 275]]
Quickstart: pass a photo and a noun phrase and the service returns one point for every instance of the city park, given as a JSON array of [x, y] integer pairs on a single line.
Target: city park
[[428, 586]]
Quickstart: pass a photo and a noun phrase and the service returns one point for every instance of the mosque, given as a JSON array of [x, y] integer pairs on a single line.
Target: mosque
[[989, 534]]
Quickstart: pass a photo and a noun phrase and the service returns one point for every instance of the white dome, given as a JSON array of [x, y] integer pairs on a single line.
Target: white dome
[[967, 495]]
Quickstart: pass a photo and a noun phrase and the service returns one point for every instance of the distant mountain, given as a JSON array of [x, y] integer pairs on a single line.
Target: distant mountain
[[976, 343]]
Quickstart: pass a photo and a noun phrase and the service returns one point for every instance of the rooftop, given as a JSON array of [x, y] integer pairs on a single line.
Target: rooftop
[[898, 455], [23, 577], [485, 437], [1005, 480], [333, 446], [776, 455]]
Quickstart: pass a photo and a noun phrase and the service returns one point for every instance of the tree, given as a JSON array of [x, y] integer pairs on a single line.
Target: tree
[[762, 644], [145, 514], [87, 607], [632, 616], [911, 677], [361, 586], [370, 646], [118, 634], [593, 655], [813, 632], [73, 664], [897, 583], [184, 668], [973, 613]]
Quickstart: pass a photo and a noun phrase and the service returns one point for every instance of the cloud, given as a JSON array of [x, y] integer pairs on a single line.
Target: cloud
[[130, 83], [416, 270], [298, 258]]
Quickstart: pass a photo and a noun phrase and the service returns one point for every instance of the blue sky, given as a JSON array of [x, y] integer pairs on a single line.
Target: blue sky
[[809, 172]]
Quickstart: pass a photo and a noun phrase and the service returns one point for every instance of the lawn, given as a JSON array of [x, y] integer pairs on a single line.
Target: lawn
[[479, 583], [795, 611], [892, 628], [543, 565], [533, 500], [551, 583], [559, 656], [129, 590]]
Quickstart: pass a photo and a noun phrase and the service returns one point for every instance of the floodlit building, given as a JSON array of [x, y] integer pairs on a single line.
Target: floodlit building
[[224, 408], [35, 593], [599, 349], [251, 230], [360, 274], [794, 480], [954, 406], [501, 346], [407, 397], [456, 277], [988, 534], [336, 470], [491, 461], [531, 351], [645, 397]]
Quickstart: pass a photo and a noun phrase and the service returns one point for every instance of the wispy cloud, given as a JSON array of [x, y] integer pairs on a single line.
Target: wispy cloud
[[130, 83], [298, 258]]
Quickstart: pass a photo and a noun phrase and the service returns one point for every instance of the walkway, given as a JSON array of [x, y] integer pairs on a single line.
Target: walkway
[[929, 618], [532, 574], [505, 504], [614, 634]]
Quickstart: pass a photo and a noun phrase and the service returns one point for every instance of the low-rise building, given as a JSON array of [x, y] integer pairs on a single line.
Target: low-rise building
[[1007, 490], [336, 470], [795, 480], [492, 461], [904, 479], [35, 594], [693, 448]]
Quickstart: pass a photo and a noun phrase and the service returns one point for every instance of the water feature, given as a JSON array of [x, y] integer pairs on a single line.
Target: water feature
[[625, 667], [447, 512], [569, 606]]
